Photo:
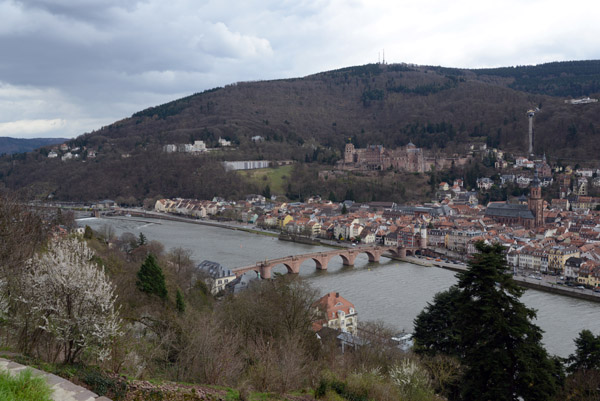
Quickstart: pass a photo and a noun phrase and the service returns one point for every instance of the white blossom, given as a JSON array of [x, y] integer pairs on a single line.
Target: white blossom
[[72, 299]]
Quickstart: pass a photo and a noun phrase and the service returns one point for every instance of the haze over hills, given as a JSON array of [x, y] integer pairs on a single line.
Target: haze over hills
[[311, 118], [10, 145]]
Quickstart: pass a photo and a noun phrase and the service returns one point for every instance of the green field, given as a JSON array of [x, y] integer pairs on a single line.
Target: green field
[[275, 177]]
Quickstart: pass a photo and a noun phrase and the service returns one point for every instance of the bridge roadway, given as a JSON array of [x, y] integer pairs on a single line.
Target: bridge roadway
[[321, 259]]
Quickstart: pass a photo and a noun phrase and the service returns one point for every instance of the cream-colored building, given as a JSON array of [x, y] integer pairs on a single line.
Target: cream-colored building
[[338, 313]]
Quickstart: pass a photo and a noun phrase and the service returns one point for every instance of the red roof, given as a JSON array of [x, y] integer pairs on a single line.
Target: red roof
[[332, 303]]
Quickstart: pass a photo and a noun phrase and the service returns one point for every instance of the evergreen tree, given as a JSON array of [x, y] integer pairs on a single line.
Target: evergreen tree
[[587, 352], [344, 209], [88, 233], [267, 192], [490, 330], [179, 302], [436, 330], [142, 239], [151, 278]]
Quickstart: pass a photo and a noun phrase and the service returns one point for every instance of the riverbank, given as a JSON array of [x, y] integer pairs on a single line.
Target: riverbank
[[540, 285], [130, 214], [543, 284]]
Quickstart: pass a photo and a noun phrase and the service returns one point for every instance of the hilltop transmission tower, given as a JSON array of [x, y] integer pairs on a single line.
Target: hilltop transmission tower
[[530, 114]]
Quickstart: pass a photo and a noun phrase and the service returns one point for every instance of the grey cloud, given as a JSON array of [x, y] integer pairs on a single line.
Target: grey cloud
[[101, 60]]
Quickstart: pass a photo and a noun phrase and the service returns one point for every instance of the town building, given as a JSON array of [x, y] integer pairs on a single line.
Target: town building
[[215, 276], [336, 313]]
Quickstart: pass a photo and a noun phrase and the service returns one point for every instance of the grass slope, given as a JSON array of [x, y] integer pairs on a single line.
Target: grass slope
[[276, 178]]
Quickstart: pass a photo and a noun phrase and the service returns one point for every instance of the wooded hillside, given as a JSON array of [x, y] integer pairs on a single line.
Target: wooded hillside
[[311, 118]]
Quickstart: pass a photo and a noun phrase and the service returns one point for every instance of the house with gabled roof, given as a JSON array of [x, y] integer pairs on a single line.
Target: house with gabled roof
[[337, 313]]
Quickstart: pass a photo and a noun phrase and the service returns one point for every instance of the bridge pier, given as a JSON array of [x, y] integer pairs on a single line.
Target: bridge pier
[[348, 259], [265, 272], [374, 255]]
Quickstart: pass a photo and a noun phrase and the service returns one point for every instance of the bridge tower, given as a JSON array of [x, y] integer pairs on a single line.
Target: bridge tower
[[423, 232]]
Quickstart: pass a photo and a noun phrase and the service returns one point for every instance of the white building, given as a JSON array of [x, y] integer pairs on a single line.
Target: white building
[[246, 165], [224, 142]]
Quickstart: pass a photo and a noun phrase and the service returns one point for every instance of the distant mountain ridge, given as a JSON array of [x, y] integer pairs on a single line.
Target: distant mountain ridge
[[310, 119], [10, 145]]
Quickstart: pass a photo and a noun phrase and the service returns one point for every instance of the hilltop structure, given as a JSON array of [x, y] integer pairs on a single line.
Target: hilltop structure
[[408, 158]]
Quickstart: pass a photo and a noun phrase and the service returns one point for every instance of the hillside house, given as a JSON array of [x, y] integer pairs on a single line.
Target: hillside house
[[215, 276], [337, 313]]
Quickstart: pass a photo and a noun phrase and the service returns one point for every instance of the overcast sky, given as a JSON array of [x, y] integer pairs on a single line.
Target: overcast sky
[[71, 66]]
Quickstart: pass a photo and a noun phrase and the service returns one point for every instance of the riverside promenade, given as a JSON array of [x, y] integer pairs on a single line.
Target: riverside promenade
[[544, 283]]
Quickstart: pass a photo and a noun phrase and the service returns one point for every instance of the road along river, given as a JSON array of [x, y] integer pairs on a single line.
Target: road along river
[[392, 291]]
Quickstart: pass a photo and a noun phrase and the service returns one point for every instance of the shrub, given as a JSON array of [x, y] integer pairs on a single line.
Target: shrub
[[23, 387]]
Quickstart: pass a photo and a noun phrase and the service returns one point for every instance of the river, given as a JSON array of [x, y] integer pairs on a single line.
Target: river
[[391, 291]]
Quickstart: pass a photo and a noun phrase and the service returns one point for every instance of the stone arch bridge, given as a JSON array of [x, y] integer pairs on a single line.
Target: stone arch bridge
[[321, 259]]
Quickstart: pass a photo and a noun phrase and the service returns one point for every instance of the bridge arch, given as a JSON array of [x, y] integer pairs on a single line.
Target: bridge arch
[[288, 266], [373, 256], [319, 264], [393, 252]]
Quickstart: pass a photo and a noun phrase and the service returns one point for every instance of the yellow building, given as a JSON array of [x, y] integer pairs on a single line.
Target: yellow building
[[557, 257], [283, 221], [589, 273]]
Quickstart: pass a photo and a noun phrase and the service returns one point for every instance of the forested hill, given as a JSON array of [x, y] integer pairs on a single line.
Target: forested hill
[[571, 78], [17, 145], [311, 118], [387, 104]]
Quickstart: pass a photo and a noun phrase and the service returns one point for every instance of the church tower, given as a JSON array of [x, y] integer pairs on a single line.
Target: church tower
[[536, 203]]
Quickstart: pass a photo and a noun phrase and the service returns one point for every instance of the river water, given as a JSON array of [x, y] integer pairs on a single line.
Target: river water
[[391, 291]]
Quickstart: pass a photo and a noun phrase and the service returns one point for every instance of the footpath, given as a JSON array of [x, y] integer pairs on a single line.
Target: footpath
[[63, 390]]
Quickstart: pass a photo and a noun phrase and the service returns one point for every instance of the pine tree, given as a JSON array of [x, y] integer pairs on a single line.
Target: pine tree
[[142, 239], [587, 352], [179, 302], [490, 330], [267, 192], [151, 278]]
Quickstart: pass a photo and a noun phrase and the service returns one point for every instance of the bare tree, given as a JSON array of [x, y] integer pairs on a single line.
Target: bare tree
[[179, 260], [21, 233]]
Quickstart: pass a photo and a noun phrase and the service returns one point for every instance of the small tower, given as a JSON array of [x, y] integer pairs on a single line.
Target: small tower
[[530, 114], [536, 203], [349, 153]]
